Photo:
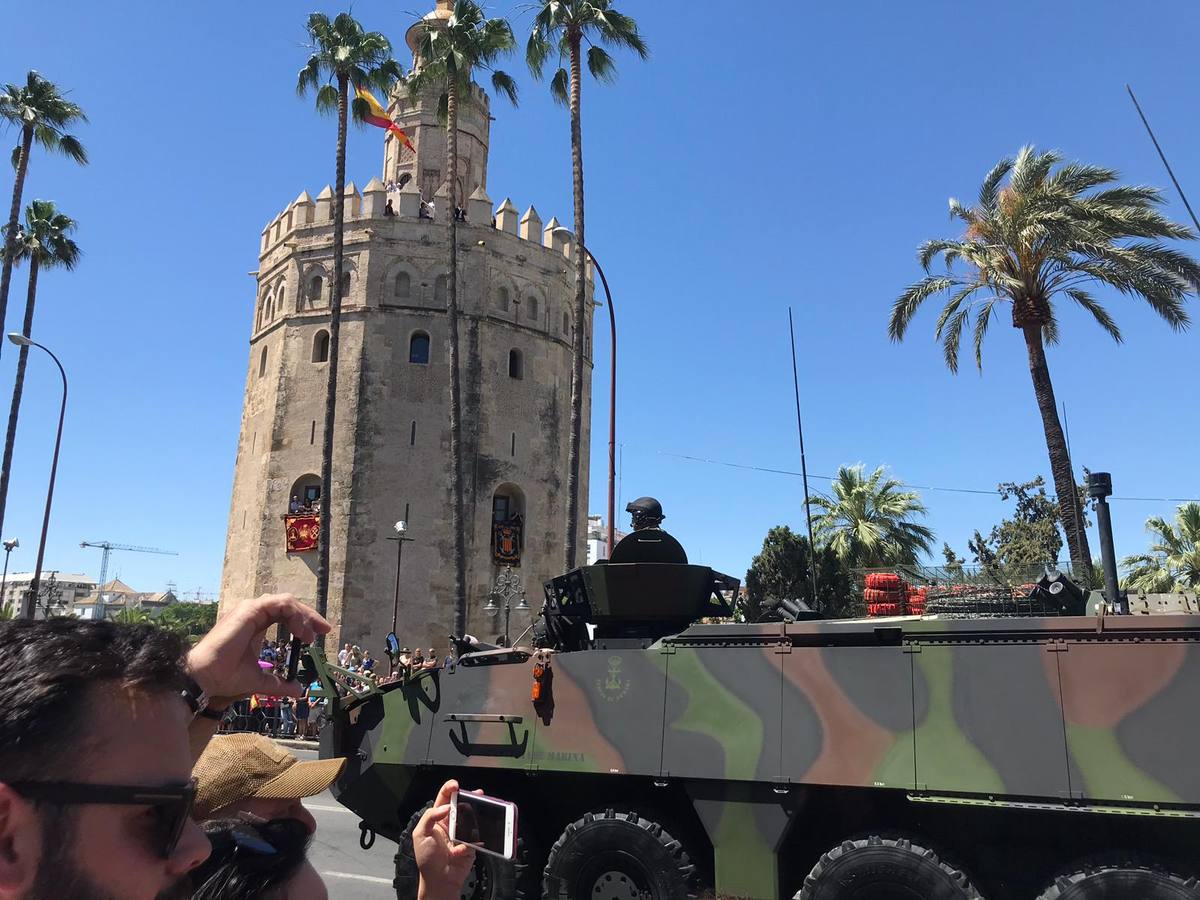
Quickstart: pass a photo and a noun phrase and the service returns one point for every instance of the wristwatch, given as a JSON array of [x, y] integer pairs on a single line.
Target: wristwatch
[[197, 700]]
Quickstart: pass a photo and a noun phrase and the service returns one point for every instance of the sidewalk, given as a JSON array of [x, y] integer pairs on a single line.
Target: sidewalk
[[294, 744]]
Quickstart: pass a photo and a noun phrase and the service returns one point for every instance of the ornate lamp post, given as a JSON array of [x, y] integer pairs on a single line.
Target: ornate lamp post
[[401, 529], [31, 599], [507, 588]]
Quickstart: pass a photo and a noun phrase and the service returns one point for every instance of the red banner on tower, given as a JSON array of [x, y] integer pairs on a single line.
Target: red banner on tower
[[302, 532]]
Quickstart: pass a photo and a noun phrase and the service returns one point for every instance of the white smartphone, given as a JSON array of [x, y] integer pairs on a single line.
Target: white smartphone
[[485, 823]]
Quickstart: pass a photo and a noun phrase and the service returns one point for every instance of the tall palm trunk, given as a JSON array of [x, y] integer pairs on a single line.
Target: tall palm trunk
[[573, 448], [456, 477], [10, 437], [1060, 460], [335, 326], [14, 212]]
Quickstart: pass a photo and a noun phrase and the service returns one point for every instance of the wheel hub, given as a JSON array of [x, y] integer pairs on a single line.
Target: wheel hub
[[615, 885]]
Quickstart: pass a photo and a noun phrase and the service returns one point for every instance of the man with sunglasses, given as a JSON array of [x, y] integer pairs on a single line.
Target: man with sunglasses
[[100, 725]]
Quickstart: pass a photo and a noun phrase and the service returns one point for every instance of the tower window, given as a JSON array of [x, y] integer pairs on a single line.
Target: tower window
[[516, 364], [316, 284], [439, 289], [512, 450], [320, 351], [312, 433], [566, 322], [262, 363], [403, 286], [345, 285], [531, 308], [502, 299], [418, 349], [412, 434]]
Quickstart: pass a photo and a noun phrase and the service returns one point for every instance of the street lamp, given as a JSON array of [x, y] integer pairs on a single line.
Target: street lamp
[[612, 403], [508, 586], [401, 529], [9, 546], [22, 341]]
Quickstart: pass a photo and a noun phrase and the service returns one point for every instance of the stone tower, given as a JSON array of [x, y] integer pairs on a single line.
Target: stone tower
[[391, 441]]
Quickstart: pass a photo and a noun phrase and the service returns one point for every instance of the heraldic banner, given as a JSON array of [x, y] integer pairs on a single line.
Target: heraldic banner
[[302, 532]]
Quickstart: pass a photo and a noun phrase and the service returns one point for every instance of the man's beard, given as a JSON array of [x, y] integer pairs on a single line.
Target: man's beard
[[59, 878]]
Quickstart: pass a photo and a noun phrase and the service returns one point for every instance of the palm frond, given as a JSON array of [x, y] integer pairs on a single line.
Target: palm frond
[[910, 301], [503, 83], [601, 65], [560, 87], [1099, 313]]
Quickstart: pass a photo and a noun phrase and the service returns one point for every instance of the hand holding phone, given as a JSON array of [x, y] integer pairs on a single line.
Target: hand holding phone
[[486, 823]]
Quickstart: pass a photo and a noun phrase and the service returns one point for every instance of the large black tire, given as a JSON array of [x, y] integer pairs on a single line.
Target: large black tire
[[879, 868], [1118, 882], [617, 856], [491, 879]]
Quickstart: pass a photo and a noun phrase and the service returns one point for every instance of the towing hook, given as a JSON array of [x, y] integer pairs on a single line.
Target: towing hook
[[366, 836]]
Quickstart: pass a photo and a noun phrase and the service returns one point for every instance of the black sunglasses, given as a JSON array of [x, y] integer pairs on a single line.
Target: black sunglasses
[[172, 804]]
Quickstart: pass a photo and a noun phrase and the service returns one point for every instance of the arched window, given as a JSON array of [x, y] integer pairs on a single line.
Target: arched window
[[516, 364], [502, 299], [402, 287], [508, 524], [262, 363], [566, 322], [320, 351], [439, 289], [345, 285], [316, 285], [305, 496], [531, 308], [418, 348]]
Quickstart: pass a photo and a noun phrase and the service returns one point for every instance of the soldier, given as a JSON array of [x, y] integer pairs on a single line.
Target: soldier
[[646, 512], [648, 542]]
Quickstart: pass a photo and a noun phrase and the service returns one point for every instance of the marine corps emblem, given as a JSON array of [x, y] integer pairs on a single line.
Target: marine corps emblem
[[613, 687]]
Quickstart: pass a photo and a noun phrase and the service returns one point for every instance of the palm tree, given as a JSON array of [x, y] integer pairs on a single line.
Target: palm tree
[[1173, 563], [868, 520], [448, 52], [45, 243], [1042, 238], [43, 114], [342, 54], [565, 25]]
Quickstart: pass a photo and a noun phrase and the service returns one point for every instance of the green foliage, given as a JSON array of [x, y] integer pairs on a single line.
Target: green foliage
[[1039, 240], [1173, 560], [451, 52], [133, 616], [42, 107], [780, 571], [954, 563], [44, 237], [190, 621], [342, 54], [868, 520], [1030, 538], [560, 26]]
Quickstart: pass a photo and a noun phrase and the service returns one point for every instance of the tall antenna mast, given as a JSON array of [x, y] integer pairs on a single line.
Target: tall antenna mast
[[812, 546], [1163, 157]]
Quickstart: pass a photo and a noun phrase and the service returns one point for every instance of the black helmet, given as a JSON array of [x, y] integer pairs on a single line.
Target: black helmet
[[646, 511]]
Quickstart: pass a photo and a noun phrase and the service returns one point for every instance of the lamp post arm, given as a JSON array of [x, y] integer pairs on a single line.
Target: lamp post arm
[[35, 584], [612, 402]]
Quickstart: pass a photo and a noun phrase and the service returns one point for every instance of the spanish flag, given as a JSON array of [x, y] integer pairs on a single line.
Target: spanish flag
[[379, 117]]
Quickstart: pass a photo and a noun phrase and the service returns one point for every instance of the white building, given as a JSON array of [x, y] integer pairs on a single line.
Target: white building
[[597, 539], [66, 590]]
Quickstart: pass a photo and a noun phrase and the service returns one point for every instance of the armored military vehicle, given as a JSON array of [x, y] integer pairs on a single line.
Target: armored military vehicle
[[654, 757]]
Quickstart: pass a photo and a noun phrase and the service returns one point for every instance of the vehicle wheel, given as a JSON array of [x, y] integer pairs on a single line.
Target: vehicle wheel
[[1109, 882], [492, 878], [617, 856], [878, 868]]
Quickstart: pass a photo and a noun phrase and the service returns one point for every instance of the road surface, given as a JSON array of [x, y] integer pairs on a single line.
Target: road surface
[[350, 872]]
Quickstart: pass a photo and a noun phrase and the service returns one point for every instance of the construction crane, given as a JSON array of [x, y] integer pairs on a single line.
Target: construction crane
[[108, 547]]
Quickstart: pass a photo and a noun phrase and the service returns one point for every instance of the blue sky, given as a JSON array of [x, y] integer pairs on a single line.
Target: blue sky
[[776, 155]]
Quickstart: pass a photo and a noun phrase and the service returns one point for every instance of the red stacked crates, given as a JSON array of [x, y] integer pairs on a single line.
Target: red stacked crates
[[885, 594]]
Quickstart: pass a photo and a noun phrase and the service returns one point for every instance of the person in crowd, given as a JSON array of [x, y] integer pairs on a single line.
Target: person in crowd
[[303, 706], [294, 505], [100, 724], [431, 660], [251, 774], [256, 861], [387, 209], [287, 717], [368, 662], [356, 656], [344, 656]]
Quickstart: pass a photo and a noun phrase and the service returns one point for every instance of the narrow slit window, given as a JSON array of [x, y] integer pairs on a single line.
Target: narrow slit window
[[516, 364], [513, 448], [412, 434], [312, 433], [418, 349]]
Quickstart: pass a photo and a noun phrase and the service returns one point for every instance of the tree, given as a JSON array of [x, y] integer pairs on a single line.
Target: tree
[[134, 615], [1027, 541], [780, 571], [43, 114], [191, 621], [45, 243], [1173, 563], [954, 563], [448, 52], [868, 520], [1041, 240], [563, 26], [342, 54]]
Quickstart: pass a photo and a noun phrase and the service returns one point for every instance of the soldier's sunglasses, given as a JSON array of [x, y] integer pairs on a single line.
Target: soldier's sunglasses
[[172, 804]]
